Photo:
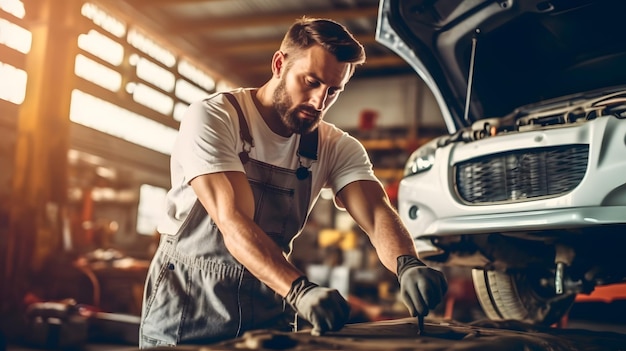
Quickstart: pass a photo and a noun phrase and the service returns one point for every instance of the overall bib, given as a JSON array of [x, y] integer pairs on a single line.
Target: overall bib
[[196, 291]]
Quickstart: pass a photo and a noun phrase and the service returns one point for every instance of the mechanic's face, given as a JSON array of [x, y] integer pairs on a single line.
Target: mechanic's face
[[309, 85]]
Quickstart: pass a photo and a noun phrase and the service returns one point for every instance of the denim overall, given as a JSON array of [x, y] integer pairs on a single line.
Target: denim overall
[[196, 292]]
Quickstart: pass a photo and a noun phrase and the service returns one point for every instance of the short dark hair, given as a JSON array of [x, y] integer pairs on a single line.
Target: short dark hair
[[332, 36]]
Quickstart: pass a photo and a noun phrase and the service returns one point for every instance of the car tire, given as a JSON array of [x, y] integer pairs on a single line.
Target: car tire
[[517, 296]]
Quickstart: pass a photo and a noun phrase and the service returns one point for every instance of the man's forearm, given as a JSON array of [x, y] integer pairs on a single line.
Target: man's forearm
[[369, 205], [391, 239], [228, 199], [245, 240]]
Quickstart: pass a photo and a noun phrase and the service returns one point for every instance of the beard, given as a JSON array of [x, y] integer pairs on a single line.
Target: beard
[[289, 116]]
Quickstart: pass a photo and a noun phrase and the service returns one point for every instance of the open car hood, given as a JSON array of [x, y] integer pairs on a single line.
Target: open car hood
[[512, 52]]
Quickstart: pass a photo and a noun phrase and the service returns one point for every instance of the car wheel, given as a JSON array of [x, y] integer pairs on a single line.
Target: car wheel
[[519, 296]]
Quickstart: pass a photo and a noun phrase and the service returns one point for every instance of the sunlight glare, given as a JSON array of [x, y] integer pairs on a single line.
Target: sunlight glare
[[104, 20], [194, 74], [153, 73], [97, 73], [150, 48], [102, 46], [151, 206], [12, 84], [15, 37], [189, 92], [111, 119], [151, 98], [14, 7], [179, 110]]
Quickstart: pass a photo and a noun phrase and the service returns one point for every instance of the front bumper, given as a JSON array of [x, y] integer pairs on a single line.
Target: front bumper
[[430, 205]]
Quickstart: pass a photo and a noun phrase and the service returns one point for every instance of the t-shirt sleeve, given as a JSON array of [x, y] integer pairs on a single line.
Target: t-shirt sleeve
[[351, 163], [207, 141]]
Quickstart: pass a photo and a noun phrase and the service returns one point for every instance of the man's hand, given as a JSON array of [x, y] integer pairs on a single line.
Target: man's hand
[[324, 308], [421, 287]]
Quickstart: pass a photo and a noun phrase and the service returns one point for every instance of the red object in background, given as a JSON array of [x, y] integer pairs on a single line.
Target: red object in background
[[605, 293], [392, 191], [367, 120]]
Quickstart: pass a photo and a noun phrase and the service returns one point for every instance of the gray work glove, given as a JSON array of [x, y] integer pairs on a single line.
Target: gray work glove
[[324, 308], [421, 287]]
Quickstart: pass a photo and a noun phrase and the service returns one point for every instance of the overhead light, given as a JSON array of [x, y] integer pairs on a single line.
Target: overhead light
[[15, 37], [12, 84], [102, 46], [105, 172], [189, 92], [97, 73], [196, 75], [102, 19], [153, 73], [151, 48]]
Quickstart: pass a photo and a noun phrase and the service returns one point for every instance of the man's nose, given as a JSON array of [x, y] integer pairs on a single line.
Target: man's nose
[[318, 99]]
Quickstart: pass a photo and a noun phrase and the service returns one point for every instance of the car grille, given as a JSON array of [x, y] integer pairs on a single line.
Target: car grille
[[521, 175]]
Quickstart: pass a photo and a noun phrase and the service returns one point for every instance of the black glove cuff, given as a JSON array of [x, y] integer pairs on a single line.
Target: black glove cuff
[[299, 288], [407, 261]]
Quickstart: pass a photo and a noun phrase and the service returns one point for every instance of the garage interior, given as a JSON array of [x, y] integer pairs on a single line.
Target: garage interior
[[76, 226]]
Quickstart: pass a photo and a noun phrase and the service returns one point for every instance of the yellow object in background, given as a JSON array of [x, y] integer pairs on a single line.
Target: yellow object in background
[[344, 239]]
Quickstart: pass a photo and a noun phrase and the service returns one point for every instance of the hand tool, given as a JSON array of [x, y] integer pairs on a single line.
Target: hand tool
[[420, 325]]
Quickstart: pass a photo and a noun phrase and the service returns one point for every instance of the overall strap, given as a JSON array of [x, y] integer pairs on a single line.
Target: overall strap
[[308, 142], [244, 131], [308, 145]]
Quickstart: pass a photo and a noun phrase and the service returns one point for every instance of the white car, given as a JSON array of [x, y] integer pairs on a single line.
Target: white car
[[529, 187]]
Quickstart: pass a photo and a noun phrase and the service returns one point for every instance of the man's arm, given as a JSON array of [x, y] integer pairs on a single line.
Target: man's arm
[[228, 199], [421, 287], [369, 206]]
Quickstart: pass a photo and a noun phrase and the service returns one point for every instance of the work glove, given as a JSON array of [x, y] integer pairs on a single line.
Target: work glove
[[324, 308], [421, 287]]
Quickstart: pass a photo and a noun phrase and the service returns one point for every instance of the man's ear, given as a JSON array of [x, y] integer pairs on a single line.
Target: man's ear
[[278, 63]]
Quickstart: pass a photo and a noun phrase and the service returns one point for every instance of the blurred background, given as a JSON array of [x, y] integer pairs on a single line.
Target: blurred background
[[91, 95]]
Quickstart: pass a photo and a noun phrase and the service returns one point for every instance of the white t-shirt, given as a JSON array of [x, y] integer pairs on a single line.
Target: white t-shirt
[[209, 142]]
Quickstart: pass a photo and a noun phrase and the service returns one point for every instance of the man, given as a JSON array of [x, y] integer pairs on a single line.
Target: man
[[247, 168]]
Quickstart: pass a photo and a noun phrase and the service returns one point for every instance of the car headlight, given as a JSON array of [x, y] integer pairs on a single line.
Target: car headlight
[[420, 160]]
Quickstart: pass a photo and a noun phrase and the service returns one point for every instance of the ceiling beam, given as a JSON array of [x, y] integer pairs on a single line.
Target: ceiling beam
[[228, 49], [267, 19], [143, 3]]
